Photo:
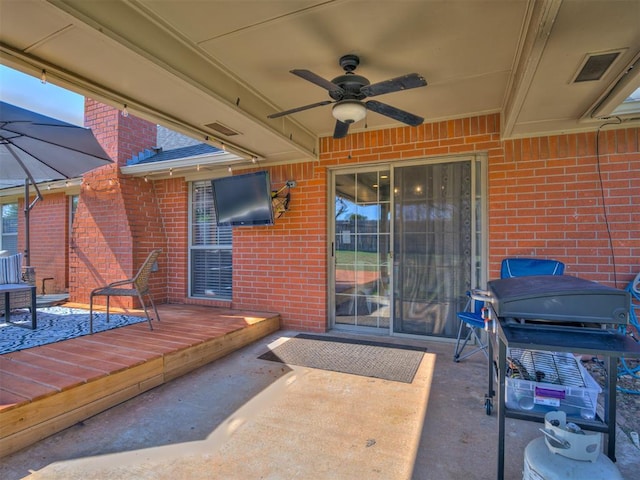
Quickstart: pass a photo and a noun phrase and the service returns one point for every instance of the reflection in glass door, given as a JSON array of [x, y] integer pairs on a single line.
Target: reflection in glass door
[[361, 250], [434, 245]]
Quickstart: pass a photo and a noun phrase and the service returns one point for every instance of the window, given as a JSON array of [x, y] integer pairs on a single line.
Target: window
[[630, 105], [210, 247], [623, 100], [73, 208], [9, 228]]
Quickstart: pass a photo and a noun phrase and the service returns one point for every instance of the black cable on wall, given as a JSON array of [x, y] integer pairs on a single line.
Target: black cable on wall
[[604, 202]]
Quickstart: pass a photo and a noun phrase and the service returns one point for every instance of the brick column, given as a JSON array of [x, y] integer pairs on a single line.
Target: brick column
[[118, 220]]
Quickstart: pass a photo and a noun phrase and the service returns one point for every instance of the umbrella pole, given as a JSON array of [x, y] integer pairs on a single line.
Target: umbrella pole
[[27, 209], [27, 206]]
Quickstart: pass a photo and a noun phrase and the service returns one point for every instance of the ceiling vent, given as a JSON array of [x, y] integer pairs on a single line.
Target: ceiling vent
[[223, 129], [594, 66]]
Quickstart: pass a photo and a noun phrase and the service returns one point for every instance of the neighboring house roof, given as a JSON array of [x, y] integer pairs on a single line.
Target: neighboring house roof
[[172, 145], [174, 150], [153, 156], [168, 139]]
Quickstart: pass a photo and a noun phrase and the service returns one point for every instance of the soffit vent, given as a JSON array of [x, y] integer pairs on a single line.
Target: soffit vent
[[594, 66], [223, 129]]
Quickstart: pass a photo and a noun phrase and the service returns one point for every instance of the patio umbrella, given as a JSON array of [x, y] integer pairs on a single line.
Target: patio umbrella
[[35, 148]]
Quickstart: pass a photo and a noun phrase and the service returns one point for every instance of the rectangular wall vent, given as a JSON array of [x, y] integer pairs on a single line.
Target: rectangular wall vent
[[223, 129], [595, 66]]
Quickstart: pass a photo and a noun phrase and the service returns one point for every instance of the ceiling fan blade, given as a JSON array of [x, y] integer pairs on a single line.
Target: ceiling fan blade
[[318, 80], [341, 129], [393, 112], [299, 109], [405, 82]]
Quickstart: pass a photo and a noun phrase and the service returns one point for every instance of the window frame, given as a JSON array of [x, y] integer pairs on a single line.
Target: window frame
[[215, 240], [3, 234]]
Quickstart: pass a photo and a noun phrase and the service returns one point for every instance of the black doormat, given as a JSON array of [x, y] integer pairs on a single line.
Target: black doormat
[[387, 361]]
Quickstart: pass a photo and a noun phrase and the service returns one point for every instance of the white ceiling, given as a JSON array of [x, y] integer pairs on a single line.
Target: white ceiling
[[189, 63]]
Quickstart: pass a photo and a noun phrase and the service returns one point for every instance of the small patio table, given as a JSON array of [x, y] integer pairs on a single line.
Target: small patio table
[[9, 288]]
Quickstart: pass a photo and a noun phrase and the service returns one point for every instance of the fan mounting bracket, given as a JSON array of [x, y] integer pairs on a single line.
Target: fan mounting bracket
[[349, 62]]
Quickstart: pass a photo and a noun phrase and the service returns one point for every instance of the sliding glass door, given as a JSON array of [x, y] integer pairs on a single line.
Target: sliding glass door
[[407, 244]]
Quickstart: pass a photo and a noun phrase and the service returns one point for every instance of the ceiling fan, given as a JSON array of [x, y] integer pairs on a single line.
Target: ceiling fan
[[348, 92]]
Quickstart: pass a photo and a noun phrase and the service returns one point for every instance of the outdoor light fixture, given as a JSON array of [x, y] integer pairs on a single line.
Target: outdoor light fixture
[[125, 112], [43, 77], [349, 111]]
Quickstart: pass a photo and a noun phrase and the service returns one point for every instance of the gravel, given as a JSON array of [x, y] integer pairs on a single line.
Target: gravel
[[628, 394]]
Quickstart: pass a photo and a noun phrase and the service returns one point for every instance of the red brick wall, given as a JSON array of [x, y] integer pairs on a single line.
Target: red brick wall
[[49, 235], [101, 246], [544, 192], [543, 201], [172, 197], [118, 221], [546, 200], [121, 137], [282, 268]]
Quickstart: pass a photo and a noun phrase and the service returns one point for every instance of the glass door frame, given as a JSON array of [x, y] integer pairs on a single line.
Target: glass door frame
[[332, 252], [479, 231]]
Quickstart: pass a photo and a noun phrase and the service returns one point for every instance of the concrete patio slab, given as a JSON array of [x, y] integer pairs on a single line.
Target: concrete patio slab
[[245, 418]]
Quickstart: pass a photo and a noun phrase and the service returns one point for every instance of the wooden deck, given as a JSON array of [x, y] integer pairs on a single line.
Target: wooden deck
[[46, 389]]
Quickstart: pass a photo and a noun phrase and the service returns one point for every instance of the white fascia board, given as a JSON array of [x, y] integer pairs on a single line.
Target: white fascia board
[[221, 158]]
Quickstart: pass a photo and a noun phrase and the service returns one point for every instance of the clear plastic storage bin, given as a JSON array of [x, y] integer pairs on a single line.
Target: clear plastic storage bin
[[545, 381]]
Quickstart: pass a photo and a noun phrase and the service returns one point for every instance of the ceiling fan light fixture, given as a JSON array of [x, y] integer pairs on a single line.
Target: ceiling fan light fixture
[[349, 111]]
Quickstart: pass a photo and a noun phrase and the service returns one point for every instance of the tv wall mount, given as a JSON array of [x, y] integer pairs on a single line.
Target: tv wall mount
[[280, 198]]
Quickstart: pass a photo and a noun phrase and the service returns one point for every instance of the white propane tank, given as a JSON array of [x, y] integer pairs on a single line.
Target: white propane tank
[[566, 452], [542, 464]]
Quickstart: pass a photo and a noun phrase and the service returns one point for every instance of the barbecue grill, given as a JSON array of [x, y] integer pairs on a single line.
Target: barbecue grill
[[559, 300], [557, 314]]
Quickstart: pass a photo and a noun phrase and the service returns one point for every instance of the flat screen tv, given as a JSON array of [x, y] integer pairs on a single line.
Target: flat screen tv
[[243, 200]]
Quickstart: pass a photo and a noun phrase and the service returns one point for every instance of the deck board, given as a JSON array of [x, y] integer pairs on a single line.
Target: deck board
[[32, 356], [54, 378], [46, 389]]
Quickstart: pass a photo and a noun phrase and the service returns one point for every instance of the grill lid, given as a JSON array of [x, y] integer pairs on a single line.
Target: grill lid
[[560, 298]]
